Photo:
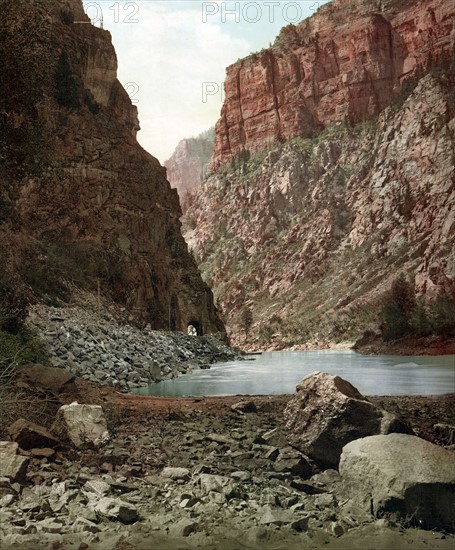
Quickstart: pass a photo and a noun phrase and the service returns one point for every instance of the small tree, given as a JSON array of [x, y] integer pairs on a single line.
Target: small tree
[[398, 309], [402, 294], [246, 319], [420, 321], [443, 316]]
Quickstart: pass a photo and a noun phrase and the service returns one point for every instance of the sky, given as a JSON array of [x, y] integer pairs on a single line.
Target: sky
[[173, 54]]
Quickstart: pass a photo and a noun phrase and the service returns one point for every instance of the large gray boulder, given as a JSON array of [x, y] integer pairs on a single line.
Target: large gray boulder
[[83, 425], [404, 474], [328, 412]]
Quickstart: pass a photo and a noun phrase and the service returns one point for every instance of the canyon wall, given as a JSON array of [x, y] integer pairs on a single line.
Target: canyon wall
[[83, 206], [344, 63], [189, 164], [310, 234]]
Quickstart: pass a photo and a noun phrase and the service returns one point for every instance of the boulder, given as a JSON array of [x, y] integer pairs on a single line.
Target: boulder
[[184, 528], [403, 474], [292, 462], [97, 488], [213, 484], [328, 412], [12, 466], [31, 436], [176, 473], [50, 380], [116, 509], [83, 425]]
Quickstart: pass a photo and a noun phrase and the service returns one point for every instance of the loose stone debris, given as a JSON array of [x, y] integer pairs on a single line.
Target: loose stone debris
[[195, 473]]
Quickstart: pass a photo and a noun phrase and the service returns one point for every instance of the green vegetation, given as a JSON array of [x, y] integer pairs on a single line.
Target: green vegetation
[[20, 348], [442, 316], [404, 315], [396, 314], [24, 142], [18, 345], [246, 319]]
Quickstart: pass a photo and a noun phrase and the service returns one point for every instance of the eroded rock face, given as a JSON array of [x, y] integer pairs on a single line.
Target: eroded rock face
[[401, 473], [310, 234], [326, 413], [84, 202], [343, 63]]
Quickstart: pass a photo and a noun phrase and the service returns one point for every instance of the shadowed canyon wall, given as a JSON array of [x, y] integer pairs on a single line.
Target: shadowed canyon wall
[[82, 203]]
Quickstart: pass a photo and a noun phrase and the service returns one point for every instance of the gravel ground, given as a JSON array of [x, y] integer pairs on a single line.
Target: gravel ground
[[198, 473]]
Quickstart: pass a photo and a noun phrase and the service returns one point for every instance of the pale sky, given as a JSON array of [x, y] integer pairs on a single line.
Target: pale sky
[[172, 56]]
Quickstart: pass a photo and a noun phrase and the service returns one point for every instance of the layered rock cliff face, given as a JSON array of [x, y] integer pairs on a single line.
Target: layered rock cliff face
[[309, 234], [82, 204], [344, 63], [189, 164]]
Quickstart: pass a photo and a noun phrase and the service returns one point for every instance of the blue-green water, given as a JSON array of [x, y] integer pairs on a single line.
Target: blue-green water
[[279, 373]]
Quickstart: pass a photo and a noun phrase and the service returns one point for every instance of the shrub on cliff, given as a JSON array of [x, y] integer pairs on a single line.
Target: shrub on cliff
[[66, 85], [246, 319], [13, 296]]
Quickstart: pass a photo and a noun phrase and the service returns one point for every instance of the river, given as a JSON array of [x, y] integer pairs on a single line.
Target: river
[[278, 372]]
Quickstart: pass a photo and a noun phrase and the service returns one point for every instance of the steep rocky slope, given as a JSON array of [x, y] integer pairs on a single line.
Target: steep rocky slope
[[82, 204], [310, 233], [344, 63], [189, 164]]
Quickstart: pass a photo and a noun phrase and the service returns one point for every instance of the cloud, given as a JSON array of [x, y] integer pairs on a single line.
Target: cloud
[[166, 58], [167, 55]]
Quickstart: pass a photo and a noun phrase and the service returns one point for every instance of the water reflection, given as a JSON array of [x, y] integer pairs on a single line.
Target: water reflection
[[279, 372]]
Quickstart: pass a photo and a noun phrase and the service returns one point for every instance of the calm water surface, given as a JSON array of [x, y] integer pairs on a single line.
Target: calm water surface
[[278, 372]]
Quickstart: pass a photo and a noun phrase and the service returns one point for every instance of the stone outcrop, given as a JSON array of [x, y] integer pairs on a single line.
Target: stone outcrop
[[189, 164], [344, 63], [311, 233], [328, 412], [404, 474], [82, 202]]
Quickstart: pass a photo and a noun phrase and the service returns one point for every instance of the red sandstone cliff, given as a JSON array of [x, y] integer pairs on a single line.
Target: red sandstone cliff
[[344, 63], [82, 203], [335, 153]]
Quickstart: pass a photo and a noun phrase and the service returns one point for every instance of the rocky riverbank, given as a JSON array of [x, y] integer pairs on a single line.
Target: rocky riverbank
[[430, 345], [98, 348], [206, 473], [411, 345]]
